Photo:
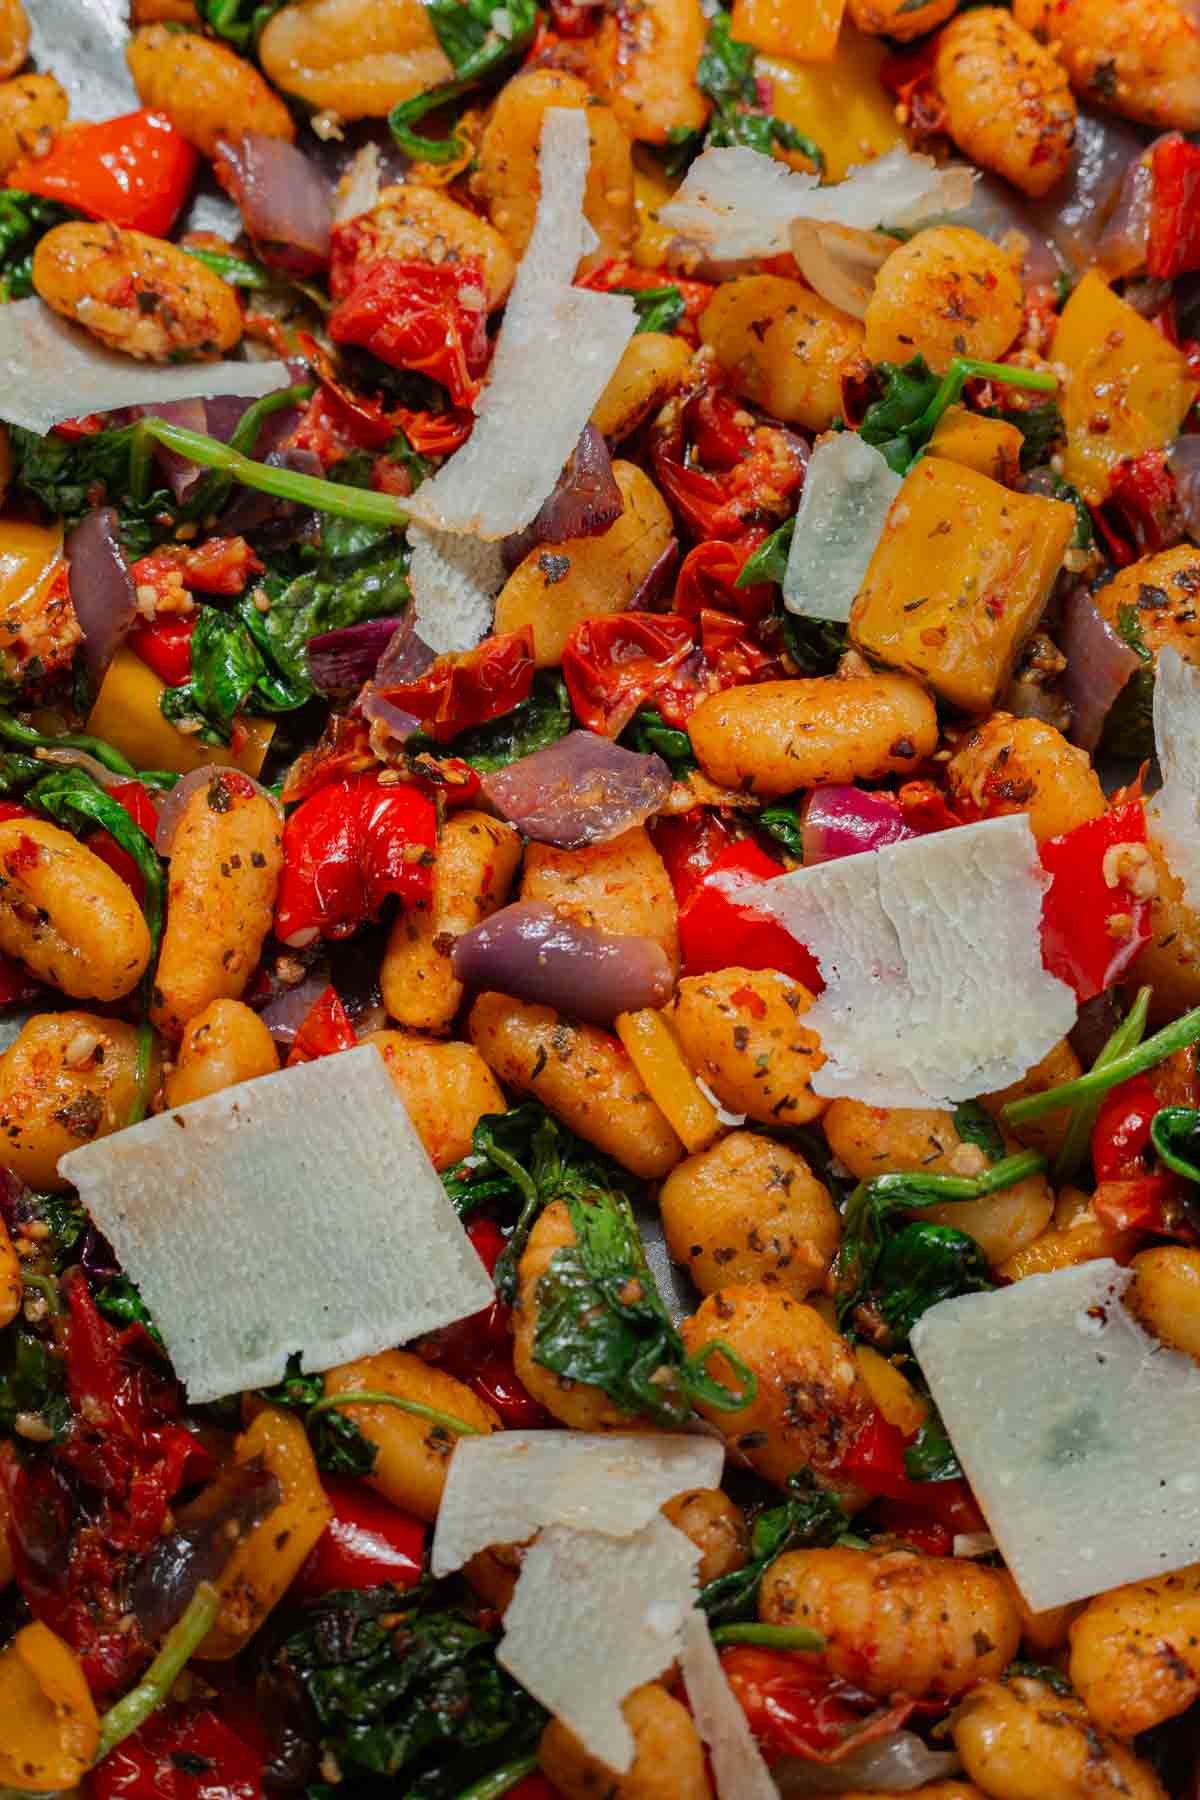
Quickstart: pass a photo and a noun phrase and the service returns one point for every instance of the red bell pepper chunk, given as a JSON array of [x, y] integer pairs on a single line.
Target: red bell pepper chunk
[[367, 1542], [875, 1463], [717, 931], [324, 1030], [1121, 1134], [1137, 1204], [479, 1349], [1093, 924], [1173, 240], [795, 1707], [346, 848], [134, 171], [180, 1754], [165, 645]]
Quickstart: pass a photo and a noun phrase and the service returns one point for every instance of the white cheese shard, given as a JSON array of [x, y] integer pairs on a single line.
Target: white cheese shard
[[1079, 1432], [51, 370], [297, 1212], [592, 1618], [504, 1488], [557, 350], [737, 204], [1173, 816], [848, 488], [454, 582], [931, 953], [741, 1773]]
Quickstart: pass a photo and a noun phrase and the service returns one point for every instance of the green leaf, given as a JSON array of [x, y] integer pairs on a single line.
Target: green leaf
[[918, 1266], [1175, 1134], [769, 561], [658, 309], [784, 825], [1041, 428], [726, 73], [120, 1301], [13, 731], [402, 1689], [540, 719], [1179, 1035], [810, 1519], [477, 51], [901, 422], [238, 271], [24, 219], [1129, 726], [816, 646], [1054, 1678], [71, 477], [648, 732], [930, 1456], [975, 1125], [32, 1380], [1126, 1036], [239, 21], [337, 1443]]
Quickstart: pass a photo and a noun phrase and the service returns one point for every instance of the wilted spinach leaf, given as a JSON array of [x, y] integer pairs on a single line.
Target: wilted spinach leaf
[[239, 21], [649, 733], [71, 476], [783, 824], [808, 1519], [540, 719], [120, 1301], [726, 74], [1041, 428], [1129, 727], [975, 1125], [32, 1380], [658, 309], [816, 646], [930, 1456], [468, 35], [24, 218], [337, 1443], [920, 1265], [769, 562], [1175, 1134]]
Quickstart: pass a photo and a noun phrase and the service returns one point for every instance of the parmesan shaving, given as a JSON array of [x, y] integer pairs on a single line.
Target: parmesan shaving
[[1173, 815], [848, 488], [502, 1489], [297, 1212], [737, 204], [741, 1773], [51, 370], [1086, 1461], [915, 941], [454, 582], [557, 350], [592, 1618]]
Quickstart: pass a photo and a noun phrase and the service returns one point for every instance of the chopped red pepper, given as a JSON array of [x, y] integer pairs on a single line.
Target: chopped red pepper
[[479, 1349], [614, 665], [689, 844], [220, 565], [141, 809], [1173, 239], [180, 1754], [346, 848], [1142, 513], [165, 645], [414, 316], [459, 691], [368, 1541], [717, 932], [875, 1463], [1093, 924], [795, 1707], [324, 1030], [925, 807], [134, 171]]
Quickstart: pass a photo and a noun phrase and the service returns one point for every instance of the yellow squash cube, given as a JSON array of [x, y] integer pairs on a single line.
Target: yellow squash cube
[[126, 714], [842, 105], [1128, 390], [959, 579], [992, 446], [809, 33]]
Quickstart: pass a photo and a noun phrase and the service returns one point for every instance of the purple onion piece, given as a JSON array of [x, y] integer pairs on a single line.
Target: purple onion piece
[[285, 200], [288, 1007], [101, 589], [581, 790], [179, 473], [996, 212], [1121, 246], [843, 820], [172, 807], [340, 661], [1075, 216], [529, 951], [1099, 664], [585, 502], [657, 583], [173, 1569], [1183, 460], [405, 659]]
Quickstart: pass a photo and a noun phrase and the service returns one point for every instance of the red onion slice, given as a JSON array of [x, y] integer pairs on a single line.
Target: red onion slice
[[1076, 215], [585, 501], [896, 1763], [529, 951], [581, 790], [846, 820], [340, 661], [101, 589], [657, 584], [1098, 666], [286, 1011], [285, 201]]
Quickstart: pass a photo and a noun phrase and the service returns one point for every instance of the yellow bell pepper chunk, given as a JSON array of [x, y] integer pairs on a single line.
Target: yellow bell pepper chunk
[[37, 622], [654, 1052], [896, 1398], [992, 446], [958, 580], [49, 1730], [807, 33], [1128, 389], [841, 105], [267, 1559], [127, 716]]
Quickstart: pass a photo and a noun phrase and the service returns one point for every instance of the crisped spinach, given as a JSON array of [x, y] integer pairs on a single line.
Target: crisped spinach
[[71, 476], [1129, 727], [120, 1301], [901, 422], [649, 732], [975, 1125], [920, 1271], [24, 218], [337, 1443], [658, 309], [808, 1519], [466, 30], [726, 75], [540, 719], [783, 824], [404, 1688], [32, 1380]]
